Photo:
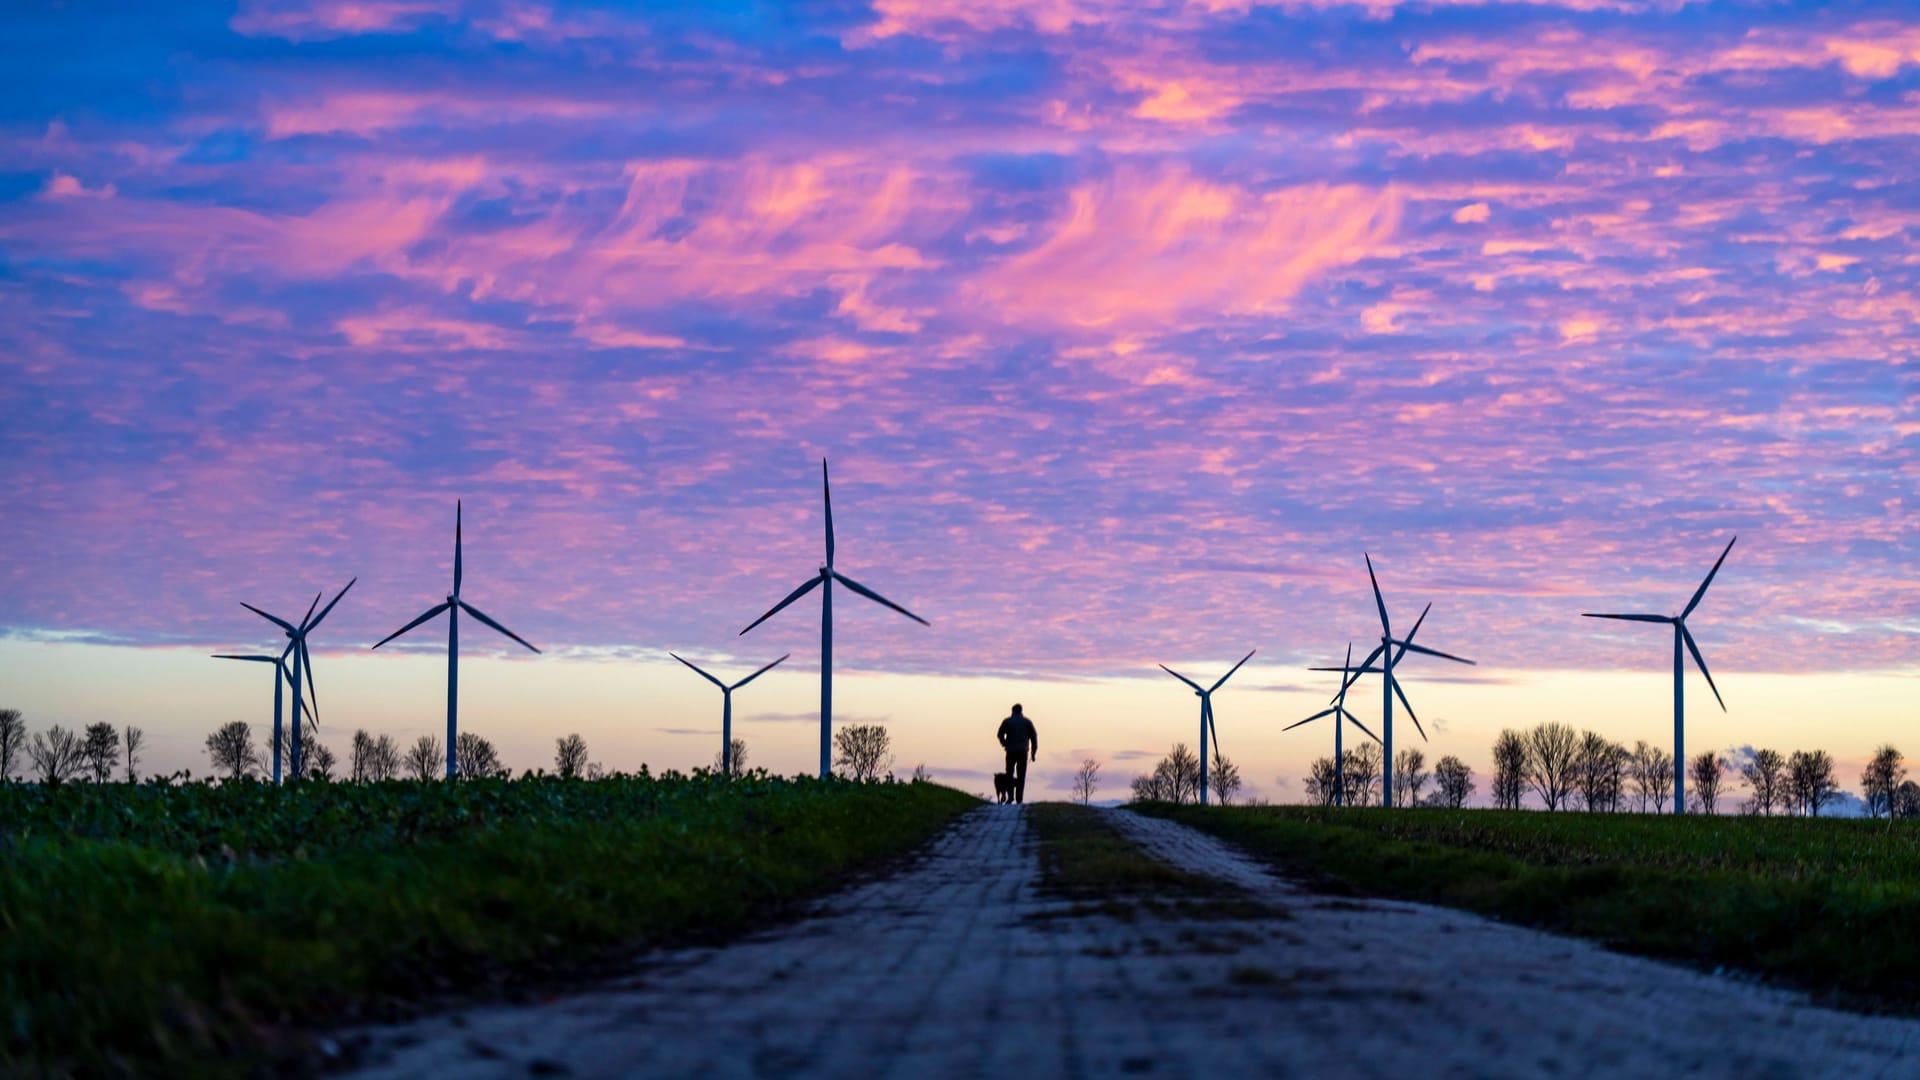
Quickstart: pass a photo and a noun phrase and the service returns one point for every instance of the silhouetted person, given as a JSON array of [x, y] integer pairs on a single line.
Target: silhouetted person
[[1022, 744]]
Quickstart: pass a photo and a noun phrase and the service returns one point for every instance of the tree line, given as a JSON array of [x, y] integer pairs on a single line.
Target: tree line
[[1563, 769], [101, 753]]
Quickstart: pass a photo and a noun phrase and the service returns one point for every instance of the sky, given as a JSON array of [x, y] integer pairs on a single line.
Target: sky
[[1128, 328]]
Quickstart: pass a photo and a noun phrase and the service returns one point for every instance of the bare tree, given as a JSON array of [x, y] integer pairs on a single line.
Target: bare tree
[[1881, 778], [1706, 771], [426, 759], [384, 763], [1321, 783], [922, 774], [1362, 768], [1453, 782], [1409, 776], [738, 747], [100, 751], [13, 742], [358, 753], [135, 740], [1552, 750], [1223, 778], [475, 758], [1175, 779], [1659, 778], [1638, 782], [570, 756], [232, 750], [1086, 780], [1150, 787], [1600, 770], [1509, 769], [1765, 774], [1906, 800], [56, 754], [1810, 779], [315, 756], [862, 751]]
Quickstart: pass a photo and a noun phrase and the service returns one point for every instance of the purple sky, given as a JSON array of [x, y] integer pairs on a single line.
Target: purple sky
[[1127, 327]]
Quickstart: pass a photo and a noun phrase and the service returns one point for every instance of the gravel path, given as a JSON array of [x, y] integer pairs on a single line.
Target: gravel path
[[957, 967]]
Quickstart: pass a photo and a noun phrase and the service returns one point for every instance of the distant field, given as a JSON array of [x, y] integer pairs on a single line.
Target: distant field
[[1830, 905], [165, 929]]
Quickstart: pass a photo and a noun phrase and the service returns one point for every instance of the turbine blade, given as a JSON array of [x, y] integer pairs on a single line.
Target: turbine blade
[[1386, 630], [1341, 697], [1330, 710], [812, 583], [1182, 678], [456, 547], [1368, 670], [696, 668], [1408, 705], [274, 619], [1418, 621], [482, 616], [1207, 704], [1628, 618], [310, 607], [759, 673], [1355, 721], [329, 608], [428, 614], [1229, 674], [1687, 636], [1408, 646], [874, 596], [1702, 590], [1366, 667], [230, 656], [826, 496], [313, 692]]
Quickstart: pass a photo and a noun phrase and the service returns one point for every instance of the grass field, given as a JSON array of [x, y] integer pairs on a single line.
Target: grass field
[[1829, 905], [182, 929]]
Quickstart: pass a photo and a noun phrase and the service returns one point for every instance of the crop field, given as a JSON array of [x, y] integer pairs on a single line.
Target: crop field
[[1829, 905], [164, 928]]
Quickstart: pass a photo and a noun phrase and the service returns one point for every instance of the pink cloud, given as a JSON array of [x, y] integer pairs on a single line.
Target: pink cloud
[[1147, 247]]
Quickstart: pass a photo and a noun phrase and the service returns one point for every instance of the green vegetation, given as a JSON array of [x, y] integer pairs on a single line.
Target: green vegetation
[[1830, 905], [180, 926]]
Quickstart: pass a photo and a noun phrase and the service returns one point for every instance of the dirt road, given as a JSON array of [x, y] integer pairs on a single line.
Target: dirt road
[[959, 967]]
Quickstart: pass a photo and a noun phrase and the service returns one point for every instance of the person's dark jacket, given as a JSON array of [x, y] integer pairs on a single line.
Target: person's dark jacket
[[1017, 735]]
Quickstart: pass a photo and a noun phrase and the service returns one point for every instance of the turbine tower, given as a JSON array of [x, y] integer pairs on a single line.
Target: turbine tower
[[1338, 710], [1390, 652], [297, 647], [1206, 713], [1681, 637], [726, 707], [280, 674], [453, 605], [824, 581]]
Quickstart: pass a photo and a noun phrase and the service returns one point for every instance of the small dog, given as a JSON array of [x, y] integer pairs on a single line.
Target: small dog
[[1003, 786]]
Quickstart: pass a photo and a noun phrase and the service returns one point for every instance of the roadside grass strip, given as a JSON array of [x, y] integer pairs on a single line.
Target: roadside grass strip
[[203, 930], [1087, 861], [1831, 906]]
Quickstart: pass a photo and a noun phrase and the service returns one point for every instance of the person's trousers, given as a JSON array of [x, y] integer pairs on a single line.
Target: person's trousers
[[1017, 769]]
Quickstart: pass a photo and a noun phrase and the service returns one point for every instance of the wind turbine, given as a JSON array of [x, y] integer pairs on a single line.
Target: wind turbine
[[1390, 652], [1206, 713], [297, 647], [726, 707], [1681, 637], [453, 605], [1338, 710], [280, 673], [827, 576]]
